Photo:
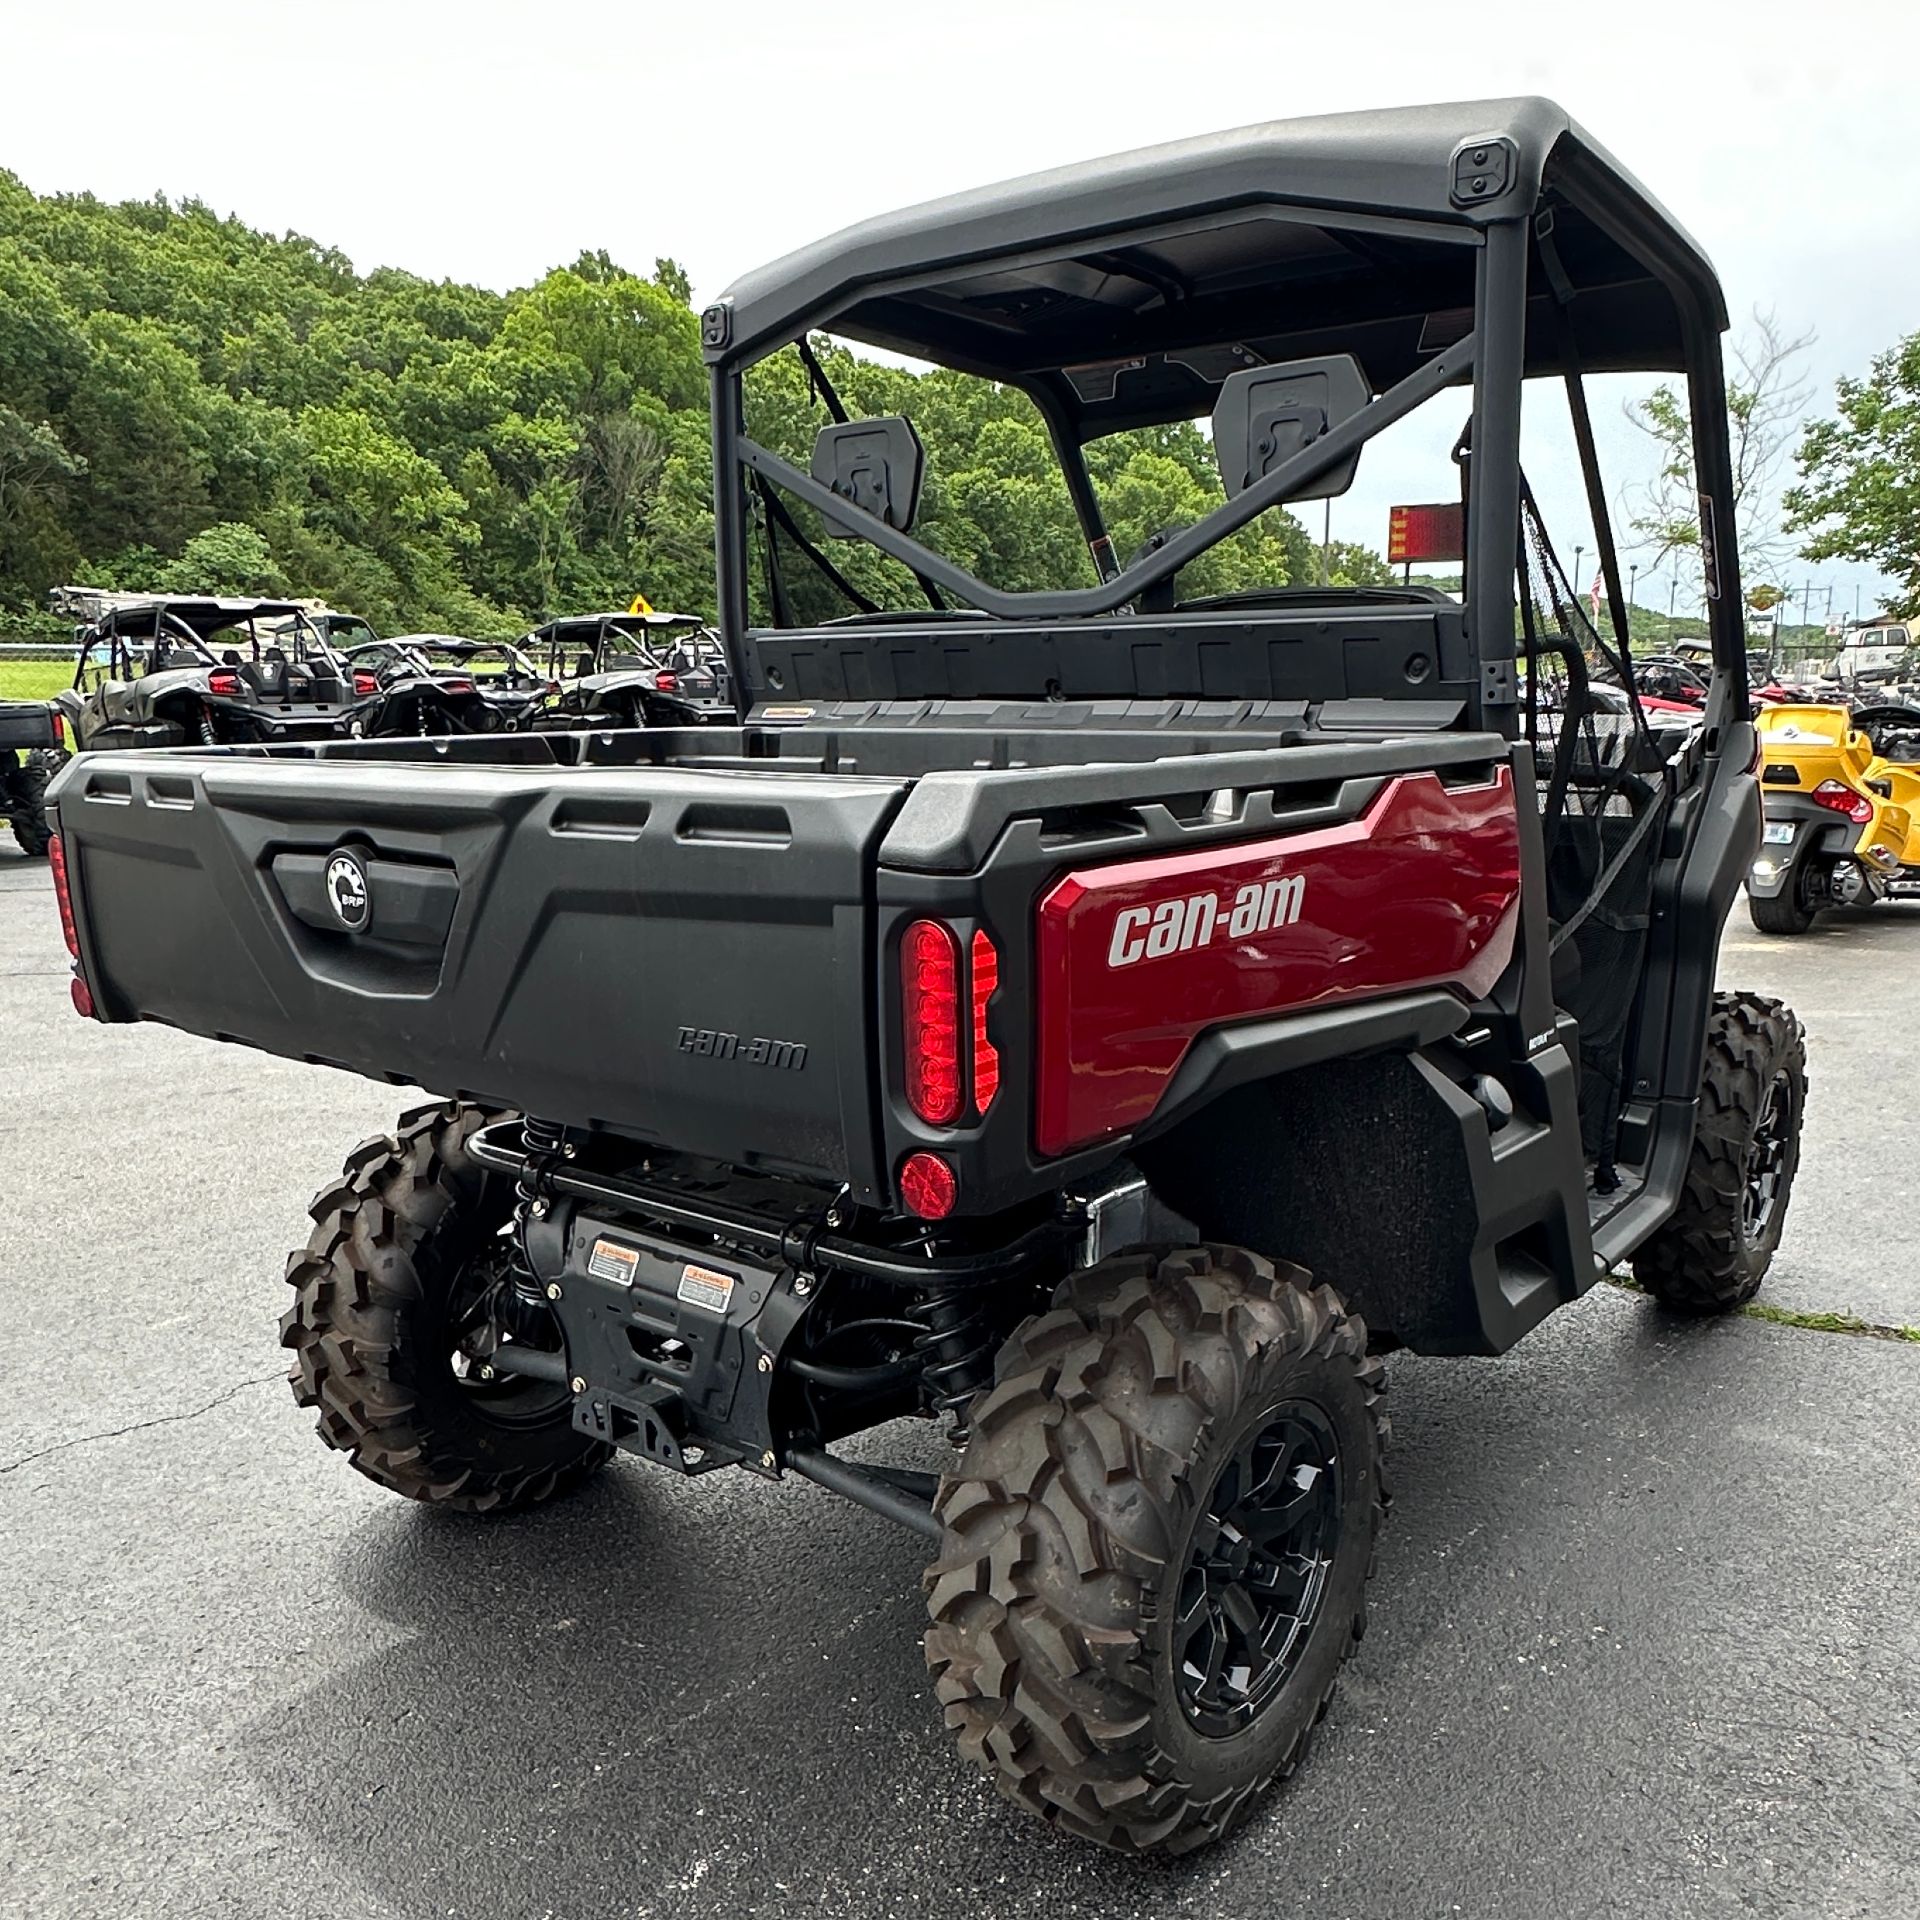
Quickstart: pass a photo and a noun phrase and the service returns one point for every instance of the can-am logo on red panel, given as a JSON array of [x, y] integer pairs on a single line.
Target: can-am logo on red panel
[[1193, 920], [1137, 959]]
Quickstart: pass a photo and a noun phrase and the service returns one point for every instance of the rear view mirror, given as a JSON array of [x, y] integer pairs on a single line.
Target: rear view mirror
[[875, 464], [1265, 415]]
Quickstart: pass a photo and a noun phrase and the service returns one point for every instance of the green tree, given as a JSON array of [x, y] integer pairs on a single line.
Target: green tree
[[1858, 495], [35, 468], [1352, 564], [229, 557], [185, 401]]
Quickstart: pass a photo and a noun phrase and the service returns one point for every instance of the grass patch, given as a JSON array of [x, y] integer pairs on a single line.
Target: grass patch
[[34, 679], [1827, 1322], [1789, 1317]]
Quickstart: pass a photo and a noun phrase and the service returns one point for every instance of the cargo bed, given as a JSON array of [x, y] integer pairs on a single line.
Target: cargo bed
[[668, 934]]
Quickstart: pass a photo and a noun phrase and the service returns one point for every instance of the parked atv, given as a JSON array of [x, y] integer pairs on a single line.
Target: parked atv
[[1010, 1021], [633, 670], [1670, 678], [341, 631], [163, 671], [1842, 793], [438, 683], [32, 747]]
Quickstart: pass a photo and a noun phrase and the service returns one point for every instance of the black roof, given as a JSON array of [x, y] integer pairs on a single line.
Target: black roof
[[624, 621], [1177, 252], [202, 613]]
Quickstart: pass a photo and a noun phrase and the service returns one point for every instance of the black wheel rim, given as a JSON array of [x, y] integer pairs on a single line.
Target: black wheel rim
[[1257, 1569], [1766, 1168]]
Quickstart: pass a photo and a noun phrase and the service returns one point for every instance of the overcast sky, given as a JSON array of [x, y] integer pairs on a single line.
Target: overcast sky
[[489, 142]]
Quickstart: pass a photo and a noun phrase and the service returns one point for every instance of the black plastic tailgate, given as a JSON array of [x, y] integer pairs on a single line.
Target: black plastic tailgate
[[675, 952]]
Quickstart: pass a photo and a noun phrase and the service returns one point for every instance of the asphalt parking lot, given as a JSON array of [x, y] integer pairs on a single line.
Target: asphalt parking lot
[[1646, 1631]]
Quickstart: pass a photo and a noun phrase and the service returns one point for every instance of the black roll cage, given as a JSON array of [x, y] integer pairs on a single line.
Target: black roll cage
[[156, 622], [553, 640], [1119, 588], [1521, 295]]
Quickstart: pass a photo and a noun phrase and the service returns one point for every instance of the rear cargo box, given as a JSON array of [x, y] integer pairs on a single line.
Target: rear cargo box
[[677, 953]]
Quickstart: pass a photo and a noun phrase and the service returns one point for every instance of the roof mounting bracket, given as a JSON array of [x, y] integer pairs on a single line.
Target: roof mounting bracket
[[1483, 170]]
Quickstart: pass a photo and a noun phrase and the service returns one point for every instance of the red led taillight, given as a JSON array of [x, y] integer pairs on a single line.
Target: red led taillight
[[57, 860], [664, 682], [927, 1186], [986, 1056], [457, 686], [930, 1008], [59, 729], [366, 683], [223, 686], [1842, 799], [82, 997]]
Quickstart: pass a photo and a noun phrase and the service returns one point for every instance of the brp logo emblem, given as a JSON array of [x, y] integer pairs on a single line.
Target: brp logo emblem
[[347, 891]]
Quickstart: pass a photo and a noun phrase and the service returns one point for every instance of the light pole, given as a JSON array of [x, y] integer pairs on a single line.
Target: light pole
[[1673, 588], [1577, 552]]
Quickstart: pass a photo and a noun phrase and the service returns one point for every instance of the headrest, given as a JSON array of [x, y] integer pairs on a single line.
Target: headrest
[[1265, 415], [875, 464]]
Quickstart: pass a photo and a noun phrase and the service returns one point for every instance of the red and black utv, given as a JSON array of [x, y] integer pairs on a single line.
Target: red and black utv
[[1103, 1018]]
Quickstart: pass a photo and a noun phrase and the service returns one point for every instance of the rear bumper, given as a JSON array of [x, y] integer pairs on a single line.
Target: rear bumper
[[289, 723], [1796, 830]]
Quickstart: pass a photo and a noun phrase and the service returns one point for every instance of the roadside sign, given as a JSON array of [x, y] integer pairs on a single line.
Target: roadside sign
[[1436, 532]]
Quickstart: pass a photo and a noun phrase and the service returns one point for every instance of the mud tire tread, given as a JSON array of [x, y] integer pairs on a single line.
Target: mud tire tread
[[1701, 1261], [356, 1285], [32, 830], [1059, 1518]]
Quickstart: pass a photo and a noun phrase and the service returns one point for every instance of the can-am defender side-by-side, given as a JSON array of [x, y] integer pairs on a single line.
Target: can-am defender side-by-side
[[1104, 1017], [168, 670], [32, 746], [634, 669]]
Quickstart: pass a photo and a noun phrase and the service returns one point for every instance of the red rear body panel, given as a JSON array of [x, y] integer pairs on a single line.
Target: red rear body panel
[[1137, 960]]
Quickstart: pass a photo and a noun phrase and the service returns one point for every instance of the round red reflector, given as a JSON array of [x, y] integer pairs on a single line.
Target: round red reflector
[[927, 1186], [83, 1002]]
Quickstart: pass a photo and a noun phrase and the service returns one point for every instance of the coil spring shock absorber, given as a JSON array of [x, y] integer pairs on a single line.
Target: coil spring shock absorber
[[956, 1349], [540, 1140]]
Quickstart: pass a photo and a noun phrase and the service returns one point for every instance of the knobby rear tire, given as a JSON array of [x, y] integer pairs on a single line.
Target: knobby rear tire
[[27, 802], [368, 1329], [1069, 1521]]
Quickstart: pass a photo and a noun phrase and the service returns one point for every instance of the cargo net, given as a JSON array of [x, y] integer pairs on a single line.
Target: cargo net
[[1601, 775]]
